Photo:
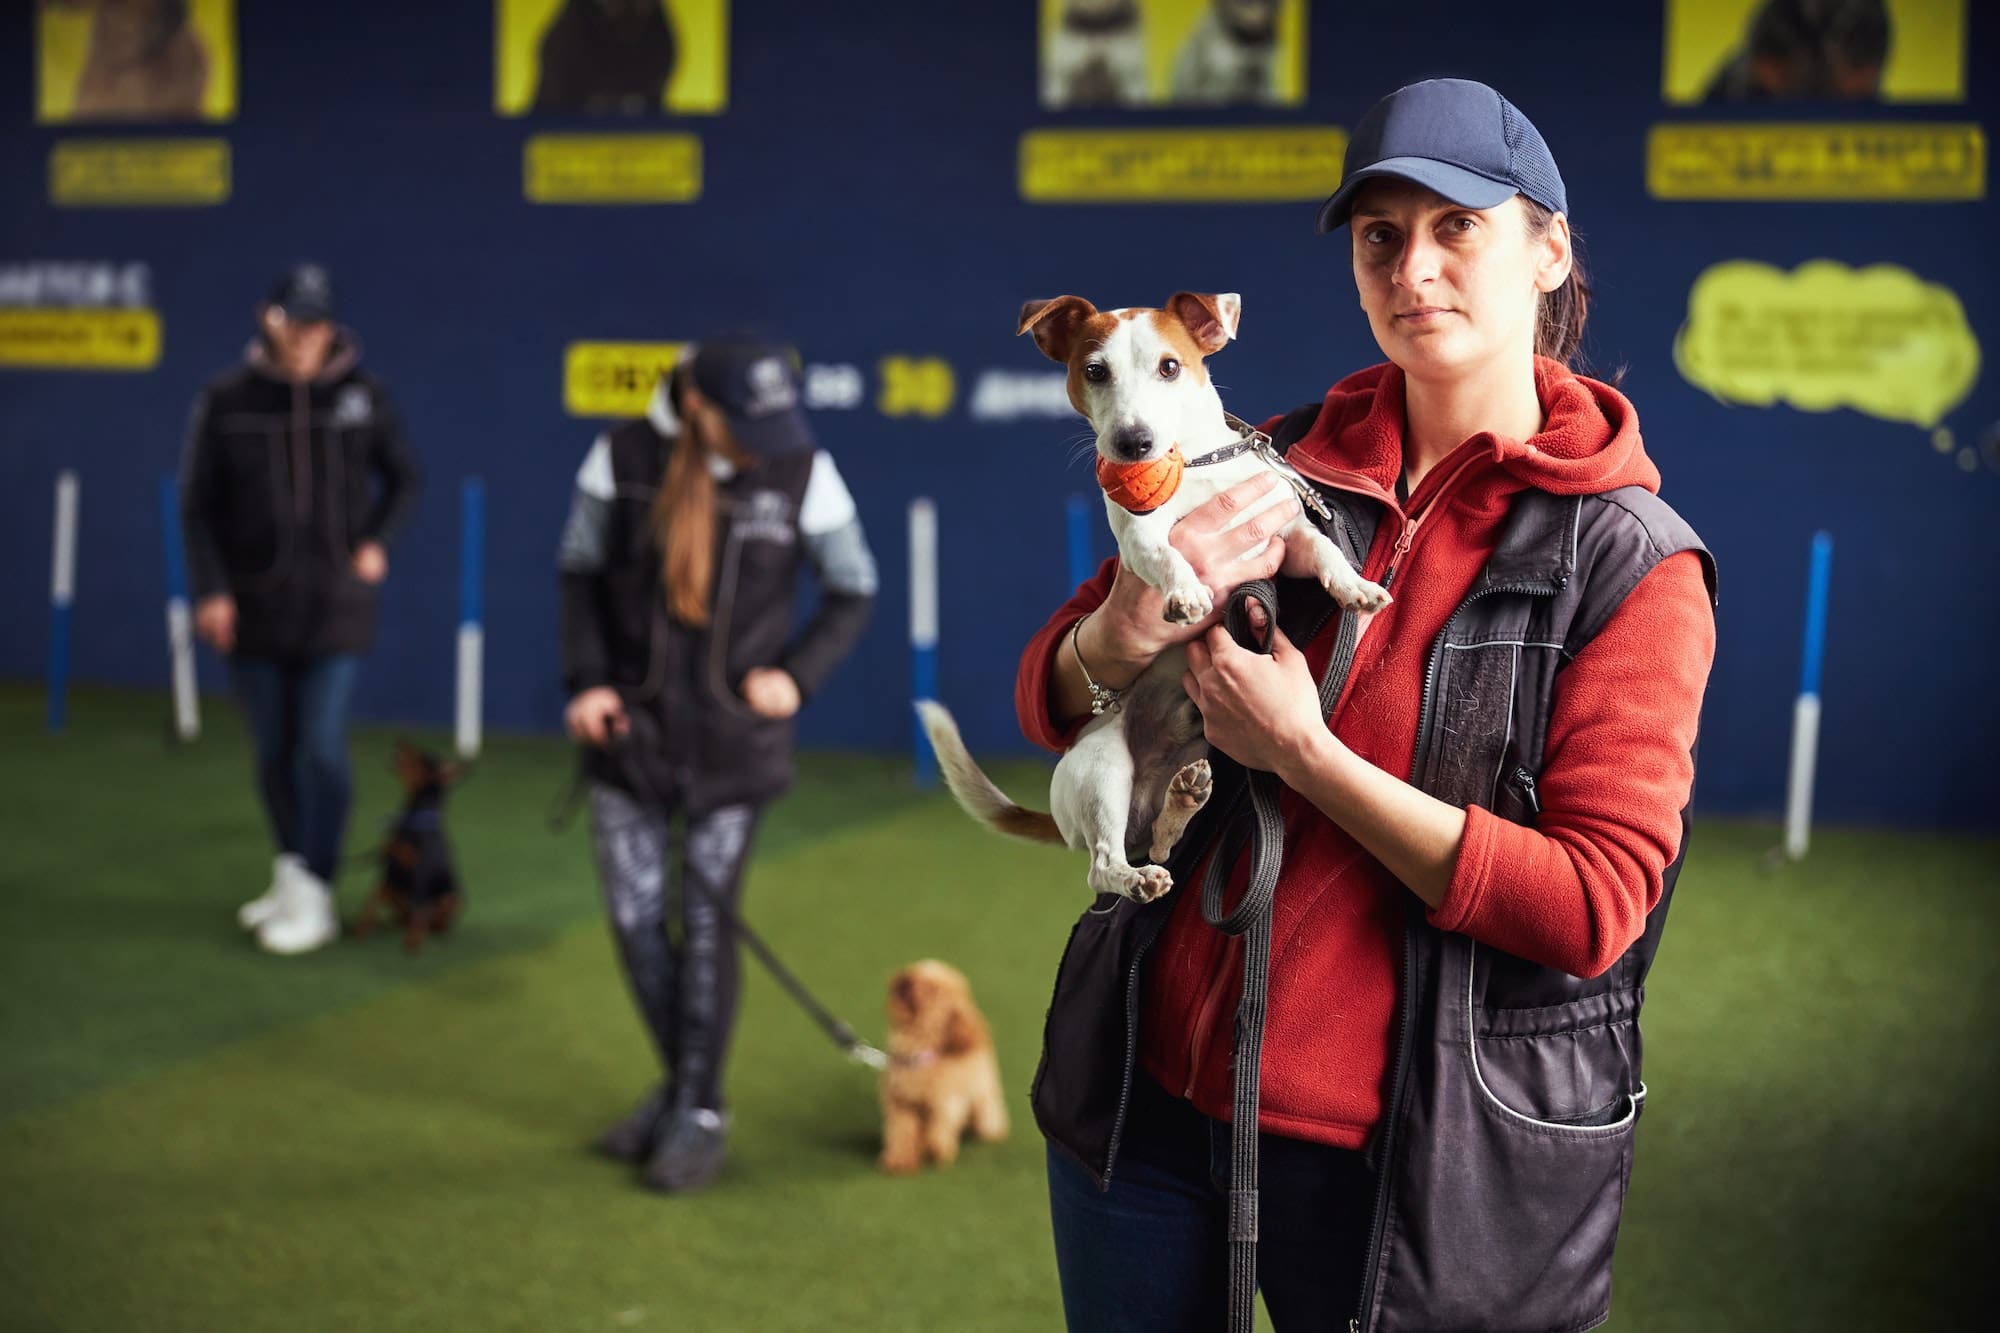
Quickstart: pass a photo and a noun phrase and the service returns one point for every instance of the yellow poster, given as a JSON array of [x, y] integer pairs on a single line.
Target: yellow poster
[[610, 57], [135, 60], [1181, 53], [1880, 340], [1735, 52], [606, 379]]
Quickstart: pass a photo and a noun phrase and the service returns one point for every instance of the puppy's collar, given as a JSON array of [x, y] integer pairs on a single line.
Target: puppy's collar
[[1251, 440], [914, 1059]]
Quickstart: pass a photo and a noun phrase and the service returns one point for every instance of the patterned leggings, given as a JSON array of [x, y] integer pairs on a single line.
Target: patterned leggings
[[685, 987]]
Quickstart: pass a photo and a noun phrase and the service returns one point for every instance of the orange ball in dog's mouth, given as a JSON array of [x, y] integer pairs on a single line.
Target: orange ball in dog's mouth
[[1144, 486]]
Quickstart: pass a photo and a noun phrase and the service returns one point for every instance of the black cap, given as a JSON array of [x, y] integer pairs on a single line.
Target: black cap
[[304, 294], [1454, 136], [754, 385]]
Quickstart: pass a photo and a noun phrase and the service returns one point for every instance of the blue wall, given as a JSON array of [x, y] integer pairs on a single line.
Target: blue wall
[[860, 198]]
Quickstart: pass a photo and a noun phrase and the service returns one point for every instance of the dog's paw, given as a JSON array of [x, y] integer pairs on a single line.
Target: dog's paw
[[1188, 606], [1148, 883], [1358, 594], [1190, 787], [899, 1164]]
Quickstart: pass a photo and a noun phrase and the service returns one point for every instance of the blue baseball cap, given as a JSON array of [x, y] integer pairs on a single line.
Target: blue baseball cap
[[756, 388], [1454, 136]]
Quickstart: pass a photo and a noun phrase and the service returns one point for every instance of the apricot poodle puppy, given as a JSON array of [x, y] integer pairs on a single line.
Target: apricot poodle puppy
[[942, 1077]]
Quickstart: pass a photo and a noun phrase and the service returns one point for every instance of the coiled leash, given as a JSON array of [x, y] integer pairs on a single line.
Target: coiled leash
[[564, 810], [1251, 919]]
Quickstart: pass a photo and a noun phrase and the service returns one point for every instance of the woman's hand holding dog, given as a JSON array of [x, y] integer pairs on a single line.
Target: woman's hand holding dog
[[596, 716], [1123, 636], [1263, 712]]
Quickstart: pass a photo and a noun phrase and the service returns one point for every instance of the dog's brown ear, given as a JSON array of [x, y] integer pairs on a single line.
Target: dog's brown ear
[[962, 1031], [1209, 319], [1055, 323], [454, 772]]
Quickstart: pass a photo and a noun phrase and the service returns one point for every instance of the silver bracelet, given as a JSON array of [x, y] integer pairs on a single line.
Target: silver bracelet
[[1103, 699]]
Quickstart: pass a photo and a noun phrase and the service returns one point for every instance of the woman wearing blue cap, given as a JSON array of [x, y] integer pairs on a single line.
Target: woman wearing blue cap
[[686, 539], [1480, 831]]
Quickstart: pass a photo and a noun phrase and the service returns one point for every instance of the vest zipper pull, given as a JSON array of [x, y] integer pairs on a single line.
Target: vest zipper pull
[[1526, 782]]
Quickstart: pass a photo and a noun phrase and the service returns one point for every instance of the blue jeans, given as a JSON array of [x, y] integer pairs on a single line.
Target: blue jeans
[[297, 710], [1151, 1254]]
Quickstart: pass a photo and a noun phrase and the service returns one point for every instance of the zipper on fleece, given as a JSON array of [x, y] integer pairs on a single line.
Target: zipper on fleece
[[1362, 484], [301, 450]]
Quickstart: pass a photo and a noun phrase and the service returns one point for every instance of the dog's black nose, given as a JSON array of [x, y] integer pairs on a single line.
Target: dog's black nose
[[1132, 443]]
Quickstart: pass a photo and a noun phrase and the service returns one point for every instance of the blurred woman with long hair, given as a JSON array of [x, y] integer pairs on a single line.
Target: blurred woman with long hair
[[681, 560]]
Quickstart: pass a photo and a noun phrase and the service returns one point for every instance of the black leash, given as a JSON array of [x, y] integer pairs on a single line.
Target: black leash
[[1252, 920], [642, 789]]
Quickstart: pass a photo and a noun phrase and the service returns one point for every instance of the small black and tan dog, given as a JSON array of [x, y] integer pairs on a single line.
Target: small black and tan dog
[[419, 882]]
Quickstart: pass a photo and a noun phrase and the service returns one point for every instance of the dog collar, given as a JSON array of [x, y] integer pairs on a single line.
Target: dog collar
[[914, 1059], [1251, 440], [1248, 437]]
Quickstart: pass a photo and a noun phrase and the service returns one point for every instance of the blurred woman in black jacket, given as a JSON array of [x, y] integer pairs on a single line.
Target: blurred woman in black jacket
[[680, 565], [294, 481]]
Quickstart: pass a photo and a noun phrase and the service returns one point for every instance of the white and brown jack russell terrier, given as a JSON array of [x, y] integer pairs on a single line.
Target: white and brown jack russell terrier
[[1138, 771]]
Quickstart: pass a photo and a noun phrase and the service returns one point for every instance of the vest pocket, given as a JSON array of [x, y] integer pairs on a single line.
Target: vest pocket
[[1082, 1083], [1515, 1166]]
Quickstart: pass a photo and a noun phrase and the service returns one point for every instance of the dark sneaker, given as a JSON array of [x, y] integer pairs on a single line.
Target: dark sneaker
[[634, 1138], [690, 1151]]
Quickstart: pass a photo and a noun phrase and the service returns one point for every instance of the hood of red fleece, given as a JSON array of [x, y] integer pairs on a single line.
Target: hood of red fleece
[[1589, 441]]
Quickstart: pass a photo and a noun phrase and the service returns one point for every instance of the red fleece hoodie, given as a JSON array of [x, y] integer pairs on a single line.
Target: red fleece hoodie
[[1571, 893]]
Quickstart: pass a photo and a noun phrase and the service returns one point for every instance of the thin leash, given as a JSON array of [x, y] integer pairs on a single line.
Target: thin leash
[[564, 810]]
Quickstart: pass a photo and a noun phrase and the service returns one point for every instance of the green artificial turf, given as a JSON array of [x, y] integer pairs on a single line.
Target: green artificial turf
[[196, 1136]]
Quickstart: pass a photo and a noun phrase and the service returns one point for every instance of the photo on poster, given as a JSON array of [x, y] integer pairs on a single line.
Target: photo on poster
[[610, 57], [1723, 53], [129, 61], [1099, 54]]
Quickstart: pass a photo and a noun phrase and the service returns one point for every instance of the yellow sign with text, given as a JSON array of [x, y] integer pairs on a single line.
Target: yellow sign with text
[[920, 386], [1882, 161], [1181, 166], [1879, 339], [33, 339], [138, 173], [612, 168], [614, 379]]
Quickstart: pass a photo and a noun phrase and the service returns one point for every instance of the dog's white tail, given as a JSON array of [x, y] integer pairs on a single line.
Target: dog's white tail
[[974, 791]]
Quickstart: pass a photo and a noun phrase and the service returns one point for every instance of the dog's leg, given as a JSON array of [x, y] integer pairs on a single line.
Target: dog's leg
[[989, 1108], [1161, 566], [365, 923], [1187, 793], [942, 1127], [418, 927], [445, 912], [1324, 562], [1091, 796], [902, 1141]]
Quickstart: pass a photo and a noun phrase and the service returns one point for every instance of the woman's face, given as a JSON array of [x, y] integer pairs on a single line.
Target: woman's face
[[1451, 291]]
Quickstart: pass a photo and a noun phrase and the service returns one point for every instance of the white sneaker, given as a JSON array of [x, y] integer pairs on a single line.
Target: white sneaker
[[265, 906], [305, 919]]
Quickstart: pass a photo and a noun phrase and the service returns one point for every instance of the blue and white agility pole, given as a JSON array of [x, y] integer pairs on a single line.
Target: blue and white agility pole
[[180, 623], [1081, 563], [62, 592], [923, 626], [1805, 712], [471, 635]]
